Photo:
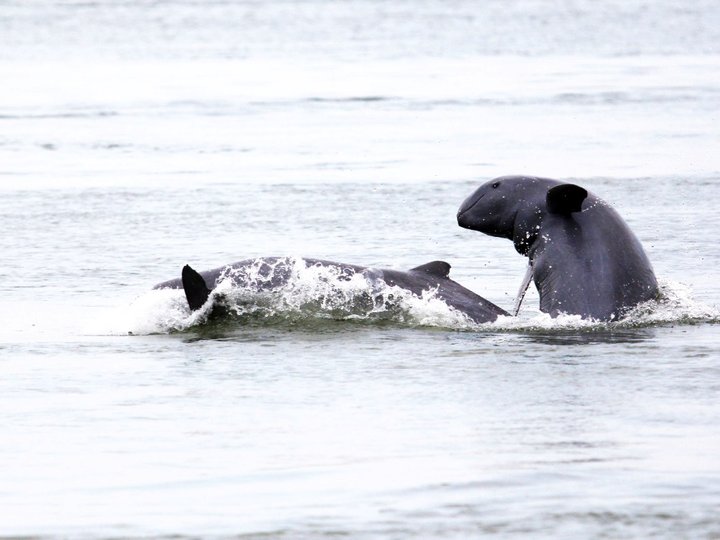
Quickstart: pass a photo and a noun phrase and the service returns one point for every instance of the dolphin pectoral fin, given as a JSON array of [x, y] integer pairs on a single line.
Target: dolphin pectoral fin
[[565, 199], [439, 269], [196, 290], [523, 289]]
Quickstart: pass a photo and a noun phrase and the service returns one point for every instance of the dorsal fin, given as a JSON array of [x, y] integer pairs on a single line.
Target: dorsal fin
[[439, 269], [565, 199], [196, 290]]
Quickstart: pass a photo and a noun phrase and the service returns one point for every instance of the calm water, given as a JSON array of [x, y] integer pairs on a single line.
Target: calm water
[[136, 137]]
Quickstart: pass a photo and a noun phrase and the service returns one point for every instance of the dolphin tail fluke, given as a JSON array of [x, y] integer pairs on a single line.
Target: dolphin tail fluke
[[196, 290]]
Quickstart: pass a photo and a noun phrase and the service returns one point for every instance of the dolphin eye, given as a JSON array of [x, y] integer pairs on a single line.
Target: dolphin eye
[[495, 185]]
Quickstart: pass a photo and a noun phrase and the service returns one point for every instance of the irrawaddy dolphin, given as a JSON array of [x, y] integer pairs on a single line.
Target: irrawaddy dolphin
[[583, 257], [274, 272]]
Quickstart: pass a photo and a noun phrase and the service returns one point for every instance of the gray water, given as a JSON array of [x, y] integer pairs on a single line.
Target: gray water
[[136, 137]]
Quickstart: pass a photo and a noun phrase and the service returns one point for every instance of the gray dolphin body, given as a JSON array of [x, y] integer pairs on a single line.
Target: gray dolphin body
[[274, 272], [584, 258]]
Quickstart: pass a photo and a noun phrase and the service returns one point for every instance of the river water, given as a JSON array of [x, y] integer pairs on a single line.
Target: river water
[[136, 137]]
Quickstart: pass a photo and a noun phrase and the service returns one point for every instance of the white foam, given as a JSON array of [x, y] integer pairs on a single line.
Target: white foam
[[675, 305], [315, 293], [155, 312], [311, 293]]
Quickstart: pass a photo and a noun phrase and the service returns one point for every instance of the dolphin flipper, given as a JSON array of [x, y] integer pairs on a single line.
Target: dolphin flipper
[[523, 289], [196, 290]]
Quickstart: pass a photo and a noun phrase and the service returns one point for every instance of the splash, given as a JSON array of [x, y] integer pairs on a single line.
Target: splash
[[675, 305], [311, 296], [291, 292]]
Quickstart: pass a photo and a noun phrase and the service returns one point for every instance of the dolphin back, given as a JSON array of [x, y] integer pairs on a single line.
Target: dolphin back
[[274, 272], [590, 263]]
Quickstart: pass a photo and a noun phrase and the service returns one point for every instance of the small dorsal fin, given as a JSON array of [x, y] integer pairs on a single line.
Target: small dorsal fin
[[565, 199], [196, 290], [435, 268]]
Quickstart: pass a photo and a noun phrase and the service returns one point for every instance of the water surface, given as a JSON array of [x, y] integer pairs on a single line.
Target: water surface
[[137, 137]]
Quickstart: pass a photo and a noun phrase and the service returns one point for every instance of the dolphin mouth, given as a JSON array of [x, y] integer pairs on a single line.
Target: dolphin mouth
[[465, 207]]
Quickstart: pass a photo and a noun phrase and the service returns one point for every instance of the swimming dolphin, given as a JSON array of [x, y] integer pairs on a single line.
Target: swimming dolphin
[[273, 272], [583, 257]]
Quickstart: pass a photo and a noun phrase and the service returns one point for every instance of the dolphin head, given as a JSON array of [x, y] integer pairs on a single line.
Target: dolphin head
[[508, 207], [493, 208]]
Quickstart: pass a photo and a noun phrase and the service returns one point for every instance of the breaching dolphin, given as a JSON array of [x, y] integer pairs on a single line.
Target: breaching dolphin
[[583, 257], [274, 272]]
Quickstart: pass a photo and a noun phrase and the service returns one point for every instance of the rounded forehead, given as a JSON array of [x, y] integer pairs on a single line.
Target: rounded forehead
[[518, 188], [528, 182]]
